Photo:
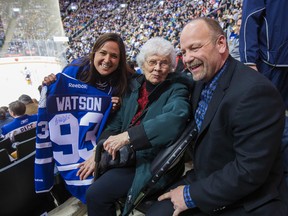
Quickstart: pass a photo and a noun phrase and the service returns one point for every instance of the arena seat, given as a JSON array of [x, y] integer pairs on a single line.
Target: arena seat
[[59, 191], [4, 158], [25, 147], [25, 135], [7, 144], [17, 195]]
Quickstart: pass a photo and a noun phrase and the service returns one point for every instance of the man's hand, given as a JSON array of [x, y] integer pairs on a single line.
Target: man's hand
[[177, 198], [253, 67]]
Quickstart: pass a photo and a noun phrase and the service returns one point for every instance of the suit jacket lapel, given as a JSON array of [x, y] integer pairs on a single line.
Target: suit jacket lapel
[[212, 107], [196, 95], [218, 94]]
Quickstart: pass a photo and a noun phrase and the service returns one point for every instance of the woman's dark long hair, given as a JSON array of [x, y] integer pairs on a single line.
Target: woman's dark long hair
[[118, 79]]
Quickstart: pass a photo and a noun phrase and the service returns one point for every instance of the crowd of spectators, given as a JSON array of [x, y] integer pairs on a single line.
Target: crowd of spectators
[[3, 23], [2, 33], [32, 26], [136, 22]]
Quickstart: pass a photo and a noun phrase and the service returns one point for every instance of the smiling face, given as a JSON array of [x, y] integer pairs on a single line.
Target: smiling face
[[106, 59], [156, 68], [202, 53]]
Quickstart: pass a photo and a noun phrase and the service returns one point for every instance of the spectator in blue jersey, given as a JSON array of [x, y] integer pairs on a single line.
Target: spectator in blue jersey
[[21, 122], [263, 40], [6, 110], [105, 69], [153, 114]]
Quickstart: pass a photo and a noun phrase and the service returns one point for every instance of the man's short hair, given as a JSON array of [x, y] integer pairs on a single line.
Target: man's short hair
[[26, 99], [17, 107]]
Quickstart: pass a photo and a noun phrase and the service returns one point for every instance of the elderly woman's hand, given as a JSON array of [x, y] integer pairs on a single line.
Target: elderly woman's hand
[[116, 103], [114, 143], [48, 80], [86, 168]]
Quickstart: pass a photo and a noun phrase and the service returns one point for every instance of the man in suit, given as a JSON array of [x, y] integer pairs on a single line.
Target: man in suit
[[237, 164]]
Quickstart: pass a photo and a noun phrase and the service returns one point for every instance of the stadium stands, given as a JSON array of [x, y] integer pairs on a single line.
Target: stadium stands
[[136, 21]]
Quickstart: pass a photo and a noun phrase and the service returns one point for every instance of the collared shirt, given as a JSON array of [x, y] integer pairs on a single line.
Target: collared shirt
[[206, 96], [187, 198]]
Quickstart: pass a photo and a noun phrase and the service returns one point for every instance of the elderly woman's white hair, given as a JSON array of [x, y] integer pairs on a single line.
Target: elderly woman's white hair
[[157, 46]]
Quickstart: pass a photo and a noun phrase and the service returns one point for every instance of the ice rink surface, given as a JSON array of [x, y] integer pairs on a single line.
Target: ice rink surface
[[13, 81]]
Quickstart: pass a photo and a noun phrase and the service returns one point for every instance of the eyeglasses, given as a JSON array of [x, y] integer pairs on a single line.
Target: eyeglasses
[[162, 64]]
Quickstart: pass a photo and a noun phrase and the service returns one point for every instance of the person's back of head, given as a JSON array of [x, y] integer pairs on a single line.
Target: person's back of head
[[17, 108], [5, 108], [2, 114], [26, 99]]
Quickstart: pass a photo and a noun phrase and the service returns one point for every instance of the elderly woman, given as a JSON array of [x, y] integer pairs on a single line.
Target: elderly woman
[[153, 114]]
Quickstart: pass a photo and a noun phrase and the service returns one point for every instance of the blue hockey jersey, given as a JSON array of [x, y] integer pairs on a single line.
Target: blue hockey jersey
[[71, 116], [19, 125]]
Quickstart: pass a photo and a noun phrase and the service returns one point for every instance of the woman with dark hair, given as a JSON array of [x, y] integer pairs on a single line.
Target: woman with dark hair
[[105, 66], [103, 77], [109, 68], [105, 73]]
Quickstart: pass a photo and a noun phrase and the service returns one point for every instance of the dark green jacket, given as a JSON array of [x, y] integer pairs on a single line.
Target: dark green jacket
[[161, 126]]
